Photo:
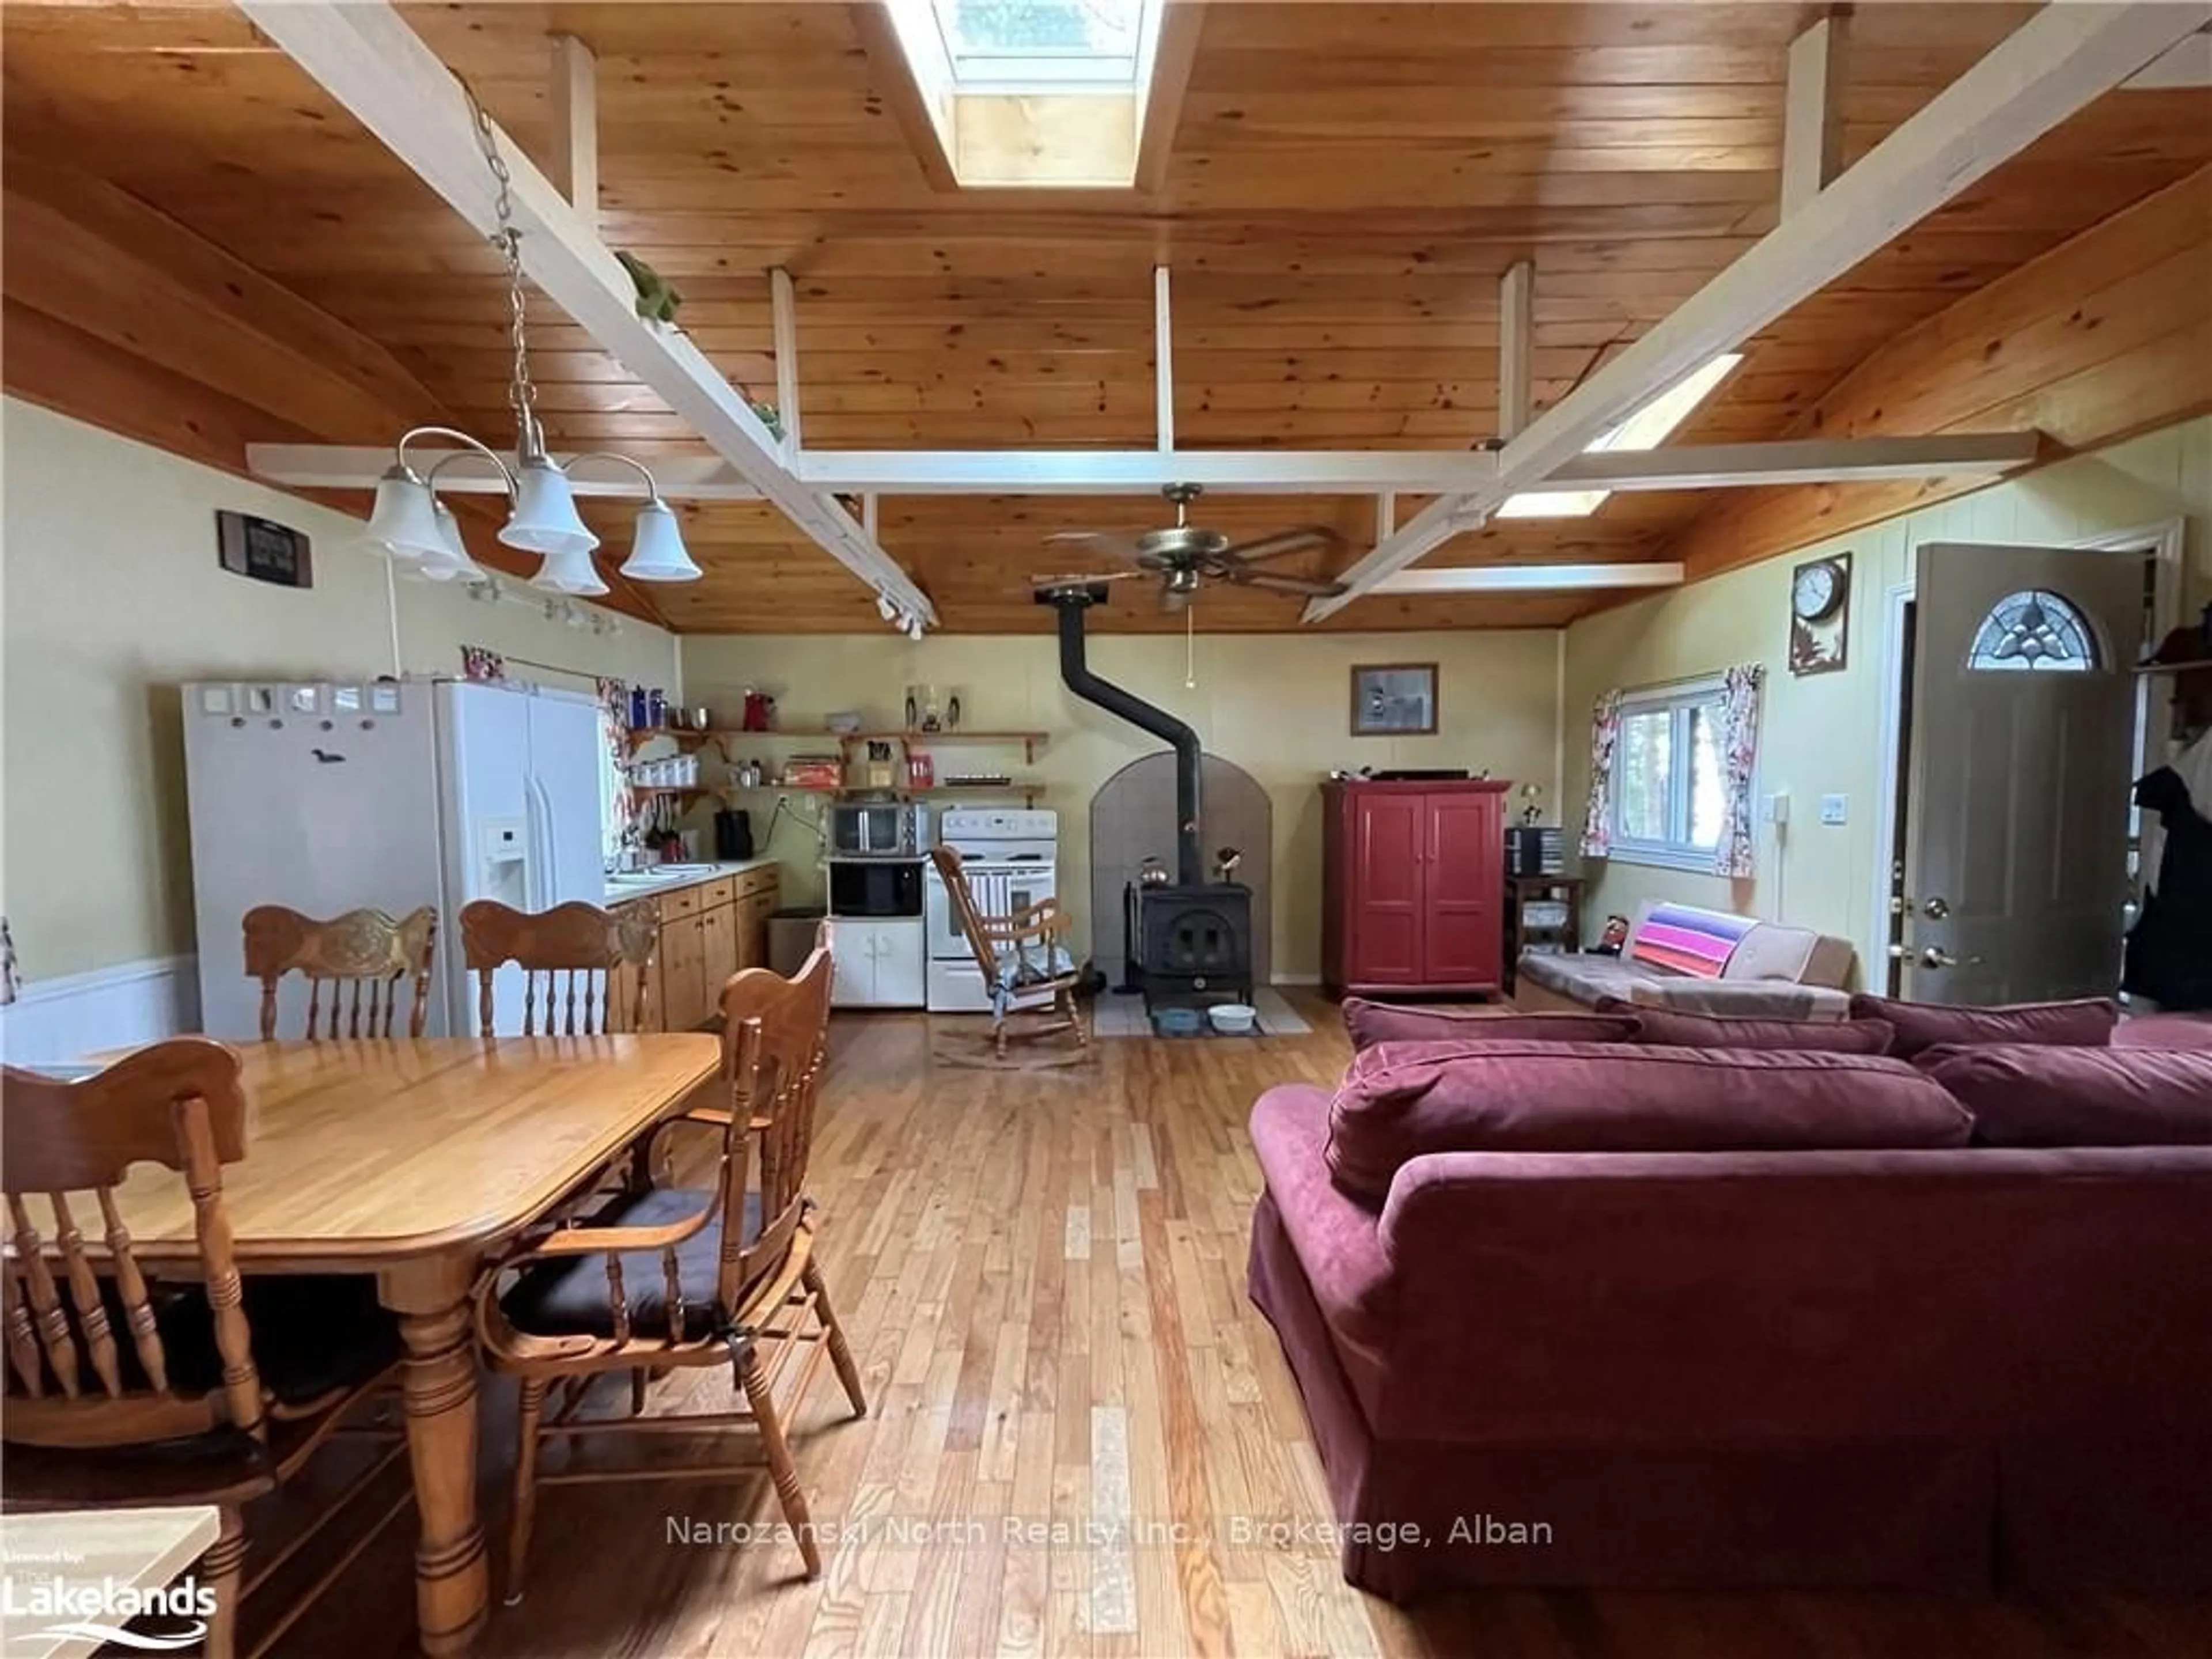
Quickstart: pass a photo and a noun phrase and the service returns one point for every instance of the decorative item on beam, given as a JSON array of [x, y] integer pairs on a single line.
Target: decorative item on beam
[[412, 527]]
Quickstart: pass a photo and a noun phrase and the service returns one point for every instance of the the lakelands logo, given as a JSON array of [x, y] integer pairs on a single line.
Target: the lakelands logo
[[97, 1610]]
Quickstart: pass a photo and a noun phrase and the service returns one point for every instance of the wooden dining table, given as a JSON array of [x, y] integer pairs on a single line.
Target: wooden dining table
[[417, 1160]]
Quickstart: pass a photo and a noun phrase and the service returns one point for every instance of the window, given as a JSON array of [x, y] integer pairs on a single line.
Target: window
[[1669, 791], [1647, 429], [2034, 630], [1038, 93]]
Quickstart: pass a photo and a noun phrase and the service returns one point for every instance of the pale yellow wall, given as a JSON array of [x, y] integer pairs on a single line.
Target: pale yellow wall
[[1277, 705], [1821, 735], [109, 598]]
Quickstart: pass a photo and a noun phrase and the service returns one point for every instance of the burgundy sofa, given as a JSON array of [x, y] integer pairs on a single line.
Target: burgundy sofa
[[1943, 1366]]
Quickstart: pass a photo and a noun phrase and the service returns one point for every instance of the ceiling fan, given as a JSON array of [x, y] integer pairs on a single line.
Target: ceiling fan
[[1185, 556]]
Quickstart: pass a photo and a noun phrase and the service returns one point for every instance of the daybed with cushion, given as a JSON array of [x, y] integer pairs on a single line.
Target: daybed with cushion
[[1703, 961], [1623, 1313]]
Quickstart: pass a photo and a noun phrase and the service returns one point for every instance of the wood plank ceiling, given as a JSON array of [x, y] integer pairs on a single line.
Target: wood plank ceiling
[[1348, 182]]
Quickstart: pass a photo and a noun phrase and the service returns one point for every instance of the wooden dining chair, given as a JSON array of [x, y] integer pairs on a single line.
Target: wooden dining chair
[[608, 952], [363, 952], [683, 1279], [132, 1384], [1027, 967]]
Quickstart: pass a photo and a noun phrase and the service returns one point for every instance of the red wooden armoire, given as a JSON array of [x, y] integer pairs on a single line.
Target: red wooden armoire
[[1413, 887]]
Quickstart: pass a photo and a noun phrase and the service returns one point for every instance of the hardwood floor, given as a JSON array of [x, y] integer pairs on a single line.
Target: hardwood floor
[[1042, 1273]]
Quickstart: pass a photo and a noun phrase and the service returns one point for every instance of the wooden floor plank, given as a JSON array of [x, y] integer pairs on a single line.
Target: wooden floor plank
[[1042, 1274]]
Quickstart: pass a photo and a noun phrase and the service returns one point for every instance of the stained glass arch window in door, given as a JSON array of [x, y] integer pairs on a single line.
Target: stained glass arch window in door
[[2032, 630]]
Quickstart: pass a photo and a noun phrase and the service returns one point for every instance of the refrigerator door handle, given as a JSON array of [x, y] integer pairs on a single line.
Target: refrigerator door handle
[[552, 841], [535, 850]]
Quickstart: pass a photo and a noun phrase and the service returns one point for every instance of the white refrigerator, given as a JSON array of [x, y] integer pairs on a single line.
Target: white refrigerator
[[329, 797]]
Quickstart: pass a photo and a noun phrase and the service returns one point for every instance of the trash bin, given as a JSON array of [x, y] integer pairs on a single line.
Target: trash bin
[[790, 937]]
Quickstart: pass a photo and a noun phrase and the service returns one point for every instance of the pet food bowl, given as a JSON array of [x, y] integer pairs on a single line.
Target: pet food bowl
[[1234, 1018], [1178, 1022]]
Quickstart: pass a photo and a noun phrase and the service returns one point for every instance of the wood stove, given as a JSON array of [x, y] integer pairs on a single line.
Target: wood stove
[[1190, 940], [1190, 946]]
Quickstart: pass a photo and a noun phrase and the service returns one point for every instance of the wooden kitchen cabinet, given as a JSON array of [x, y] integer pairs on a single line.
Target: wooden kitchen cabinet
[[1412, 876], [707, 932]]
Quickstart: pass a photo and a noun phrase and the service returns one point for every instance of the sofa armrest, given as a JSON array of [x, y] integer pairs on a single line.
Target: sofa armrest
[[1742, 999], [1335, 1235]]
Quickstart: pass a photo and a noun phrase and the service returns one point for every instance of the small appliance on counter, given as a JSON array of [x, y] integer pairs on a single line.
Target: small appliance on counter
[[733, 835], [883, 828]]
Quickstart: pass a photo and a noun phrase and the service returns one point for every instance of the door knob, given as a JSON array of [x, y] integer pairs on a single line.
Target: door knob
[[1936, 909], [1935, 955]]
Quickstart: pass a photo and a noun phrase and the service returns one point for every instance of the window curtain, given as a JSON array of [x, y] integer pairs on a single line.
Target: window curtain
[[1735, 855], [614, 726], [1605, 738]]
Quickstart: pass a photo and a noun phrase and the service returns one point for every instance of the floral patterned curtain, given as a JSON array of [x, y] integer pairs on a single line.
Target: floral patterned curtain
[[1739, 766], [1605, 736], [614, 726]]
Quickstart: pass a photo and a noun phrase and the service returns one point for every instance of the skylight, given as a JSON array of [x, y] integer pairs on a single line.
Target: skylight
[[1647, 429], [1034, 92], [1027, 46]]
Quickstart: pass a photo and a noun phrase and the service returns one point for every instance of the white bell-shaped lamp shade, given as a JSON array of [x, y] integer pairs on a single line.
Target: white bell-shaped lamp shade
[[545, 519], [452, 562], [657, 553], [404, 523], [570, 571]]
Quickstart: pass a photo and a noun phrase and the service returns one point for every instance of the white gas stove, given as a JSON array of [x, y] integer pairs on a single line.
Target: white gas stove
[[1010, 858]]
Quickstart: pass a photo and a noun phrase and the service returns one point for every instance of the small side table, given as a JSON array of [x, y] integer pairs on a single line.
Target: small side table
[[1542, 913]]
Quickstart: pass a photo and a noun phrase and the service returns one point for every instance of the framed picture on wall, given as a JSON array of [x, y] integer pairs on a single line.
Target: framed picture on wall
[[1394, 699]]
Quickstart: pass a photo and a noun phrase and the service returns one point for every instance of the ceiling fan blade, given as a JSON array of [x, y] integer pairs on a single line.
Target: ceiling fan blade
[[1311, 587], [1078, 578], [1114, 544], [1283, 542]]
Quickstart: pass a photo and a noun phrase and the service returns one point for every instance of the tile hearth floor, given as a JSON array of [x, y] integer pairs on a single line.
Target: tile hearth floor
[[1116, 1015], [1042, 1273]]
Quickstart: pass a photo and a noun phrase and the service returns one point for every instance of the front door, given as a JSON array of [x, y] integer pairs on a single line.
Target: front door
[[2022, 746]]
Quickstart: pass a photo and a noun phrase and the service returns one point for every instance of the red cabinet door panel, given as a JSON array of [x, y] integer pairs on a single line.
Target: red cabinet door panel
[[1462, 839], [1388, 840]]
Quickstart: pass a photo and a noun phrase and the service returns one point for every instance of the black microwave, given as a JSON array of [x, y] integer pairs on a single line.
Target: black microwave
[[875, 887]]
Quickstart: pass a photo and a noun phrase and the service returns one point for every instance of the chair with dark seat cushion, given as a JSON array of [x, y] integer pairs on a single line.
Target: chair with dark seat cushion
[[126, 1389], [676, 1278]]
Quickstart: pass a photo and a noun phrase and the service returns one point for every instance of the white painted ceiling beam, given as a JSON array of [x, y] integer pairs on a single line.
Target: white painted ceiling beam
[[1445, 580], [1812, 113], [2053, 64], [1225, 471], [364, 55], [2187, 64], [783, 321], [1516, 341], [574, 100], [1162, 361]]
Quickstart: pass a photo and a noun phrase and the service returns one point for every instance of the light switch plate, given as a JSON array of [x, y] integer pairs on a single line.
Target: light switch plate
[[1835, 808]]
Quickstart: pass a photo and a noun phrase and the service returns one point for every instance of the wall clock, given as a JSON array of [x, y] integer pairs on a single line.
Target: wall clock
[[1820, 615]]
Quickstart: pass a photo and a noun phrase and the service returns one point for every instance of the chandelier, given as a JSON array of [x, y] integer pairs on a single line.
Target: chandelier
[[409, 525]]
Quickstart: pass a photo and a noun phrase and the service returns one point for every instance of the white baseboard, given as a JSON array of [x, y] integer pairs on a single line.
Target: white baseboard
[[64, 1019]]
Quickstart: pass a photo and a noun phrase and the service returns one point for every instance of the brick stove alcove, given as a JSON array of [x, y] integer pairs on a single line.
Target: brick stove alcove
[[1132, 817]]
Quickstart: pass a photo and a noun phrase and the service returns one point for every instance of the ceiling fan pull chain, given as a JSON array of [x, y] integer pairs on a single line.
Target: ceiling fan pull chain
[[1190, 648]]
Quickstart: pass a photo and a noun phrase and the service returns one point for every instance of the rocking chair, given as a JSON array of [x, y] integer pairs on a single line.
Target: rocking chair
[[1033, 977]]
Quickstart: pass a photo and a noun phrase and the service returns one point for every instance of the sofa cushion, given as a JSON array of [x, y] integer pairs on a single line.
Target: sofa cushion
[[2164, 1031], [1682, 938], [2087, 1023], [1370, 1023], [2027, 1095], [1402, 1102], [1584, 977], [1666, 1028]]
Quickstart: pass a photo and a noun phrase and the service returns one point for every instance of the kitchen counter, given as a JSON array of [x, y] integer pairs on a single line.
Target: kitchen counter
[[623, 889]]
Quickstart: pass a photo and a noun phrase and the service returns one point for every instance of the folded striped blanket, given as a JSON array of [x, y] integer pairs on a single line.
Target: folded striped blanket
[[1684, 939]]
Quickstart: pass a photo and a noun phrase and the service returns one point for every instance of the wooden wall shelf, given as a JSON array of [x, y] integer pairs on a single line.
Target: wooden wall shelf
[[1030, 741]]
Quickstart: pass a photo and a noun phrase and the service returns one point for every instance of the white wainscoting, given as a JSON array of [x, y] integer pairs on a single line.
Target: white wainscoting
[[64, 1019]]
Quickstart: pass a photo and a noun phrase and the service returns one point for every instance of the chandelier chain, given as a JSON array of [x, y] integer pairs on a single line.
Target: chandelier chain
[[521, 391]]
